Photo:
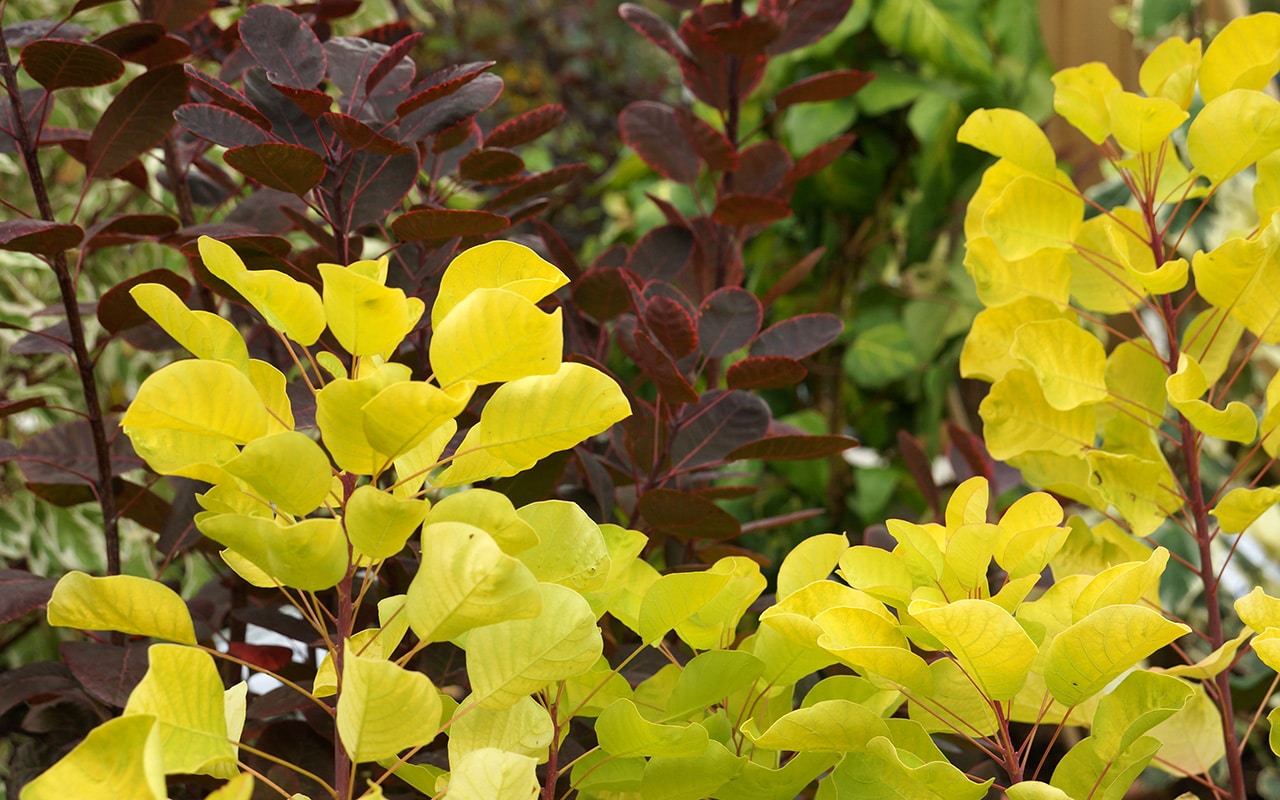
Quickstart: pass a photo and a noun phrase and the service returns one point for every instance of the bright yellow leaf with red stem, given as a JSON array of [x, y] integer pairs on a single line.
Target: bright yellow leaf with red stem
[[1170, 71], [1232, 132], [289, 306], [1080, 96], [1009, 134], [1244, 55]]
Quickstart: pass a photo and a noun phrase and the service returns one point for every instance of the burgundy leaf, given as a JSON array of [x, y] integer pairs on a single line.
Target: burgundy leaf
[[762, 169], [490, 165], [35, 101], [662, 370], [219, 125], [8, 451], [918, 464], [388, 33], [389, 60], [669, 211], [709, 554], [38, 236], [443, 83], [138, 119], [526, 127], [654, 28], [765, 372], [538, 184], [359, 136], [271, 657], [712, 145], [220, 94], [58, 64], [820, 157], [129, 228], [612, 257], [34, 683], [462, 105], [728, 319], [662, 253], [728, 492], [108, 672], [746, 36], [823, 87], [559, 250], [793, 277], [167, 49], [720, 422], [523, 213], [127, 40], [288, 122], [288, 167], [601, 293], [311, 102], [9, 408], [798, 337], [176, 15], [445, 223], [461, 137], [744, 209], [53, 339], [21, 593], [671, 325], [807, 20], [85, 5], [686, 516], [377, 184], [651, 129], [284, 45], [796, 447], [64, 454], [710, 72], [117, 310]]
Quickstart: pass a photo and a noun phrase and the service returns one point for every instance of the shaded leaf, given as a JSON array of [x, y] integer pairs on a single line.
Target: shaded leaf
[[64, 453], [284, 45], [106, 671], [58, 64], [445, 223], [765, 372], [686, 516], [377, 184], [743, 209], [490, 165], [807, 21], [287, 167], [139, 118], [712, 145], [359, 136], [475, 95], [288, 122], [655, 29], [798, 336], [662, 370], [224, 96], [823, 87], [728, 319], [219, 125], [602, 293], [795, 447], [820, 157], [129, 228], [538, 184], [391, 59], [38, 236], [311, 102], [749, 35], [443, 83], [671, 325], [652, 130], [662, 253], [525, 128], [126, 40], [21, 592], [718, 424]]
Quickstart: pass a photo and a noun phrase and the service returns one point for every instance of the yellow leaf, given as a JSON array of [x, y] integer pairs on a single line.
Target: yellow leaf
[[1069, 362], [813, 559], [1132, 709], [272, 389], [371, 718], [209, 398], [310, 555], [1242, 276], [1045, 275], [493, 774], [1122, 584], [289, 306], [1144, 491], [994, 181], [490, 511], [955, 705], [400, 416], [991, 647], [286, 469], [366, 317], [378, 523], [124, 603], [1069, 476], [1266, 190], [341, 418], [204, 335], [183, 692], [1032, 215], [119, 758], [1266, 646], [1036, 790], [1244, 55], [1213, 664], [1258, 610], [1080, 96], [1088, 655], [1136, 377], [877, 572], [1017, 419], [1190, 740], [1005, 133], [826, 726], [622, 732], [495, 265], [1171, 70], [704, 608], [412, 467], [987, 347], [524, 728], [1142, 124], [183, 453], [1235, 423], [495, 335], [1100, 279], [874, 647], [1232, 132], [571, 550]]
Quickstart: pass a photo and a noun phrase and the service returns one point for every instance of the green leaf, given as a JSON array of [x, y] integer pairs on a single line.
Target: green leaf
[[493, 335], [123, 603], [759, 782], [524, 728], [119, 758], [881, 355], [371, 718], [183, 692], [935, 33], [1088, 655], [1083, 772], [691, 778], [881, 773], [707, 679]]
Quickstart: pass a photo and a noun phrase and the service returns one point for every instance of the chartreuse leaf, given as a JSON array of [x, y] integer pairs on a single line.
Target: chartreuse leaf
[[412, 467], [1031, 533], [1068, 361], [759, 782], [1240, 508], [591, 692], [1235, 423], [1211, 338], [493, 774], [524, 728], [1273, 738], [1134, 254], [1191, 740], [877, 572], [624, 547], [238, 788], [1036, 790], [495, 265], [787, 645], [494, 335], [123, 603], [1141, 701], [987, 348], [1136, 377], [1267, 646], [119, 758], [289, 306], [1213, 664], [811, 560], [202, 334], [597, 774], [310, 555], [621, 731], [967, 560], [287, 469], [990, 645], [1116, 477], [1171, 70], [371, 719], [1242, 56], [856, 689], [1082, 772], [1089, 654], [633, 585], [368, 643], [703, 607], [1005, 133], [707, 679], [1258, 610], [1034, 214], [366, 316], [874, 646], [571, 549], [272, 389], [404, 414], [341, 418], [183, 692], [189, 455], [1018, 419], [1142, 124], [1266, 190], [1043, 276], [1232, 132], [378, 523], [1240, 276], [829, 726], [882, 772], [209, 398], [955, 705], [1122, 584], [531, 418], [1080, 96], [517, 657], [490, 511], [466, 581], [690, 778]]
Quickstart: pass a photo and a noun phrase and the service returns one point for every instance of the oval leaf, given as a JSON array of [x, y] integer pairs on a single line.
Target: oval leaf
[[765, 372], [652, 130], [39, 236], [284, 45], [139, 118], [123, 603], [59, 63], [686, 516], [287, 167]]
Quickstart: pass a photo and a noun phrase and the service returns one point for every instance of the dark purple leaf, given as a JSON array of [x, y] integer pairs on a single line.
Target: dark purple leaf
[[718, 424], [168, 49], [538, 184], [359, 136], [34, 683], [728, 492], [106, 671], [288, 167], [85, 5], [490, 165], [377, 184], [797, 447], [654, 28], [284, 45], [476, 94], [744, 209], [176, 15], [713, 146], [9, 408], [311, 102], [671, 326], [445, 223], [462, 139], [601, 293], [38, 236], [614, 257], [746, 36], [793, 277], [762, 169], [807, 21], [443, 83], [798, 337], [662, 370], [117, 310], [391, 59], [710, 72], [64, 454], [219, 125], [526, 127], [288, 122], [21, 34], [8, 451], [54, 339], [138, 119], [58, 64], [662, 253], [686, 516], [224, 96], [918, 464], [820, 157], [669, 211], [823, 87], [559, 251], [728, 319], [129, 228], [34, 103], [652, 130], [135, 37], [21, 593], [765, 372], [279, 702]]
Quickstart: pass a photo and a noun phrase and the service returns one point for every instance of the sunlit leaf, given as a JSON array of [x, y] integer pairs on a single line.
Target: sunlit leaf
[[403, 414], [1080, 96], [119, 758], [1191, 740], [203, 334], [1083, 772], [1005, 133], [495, 335], [1046, 275], [287, 469], [371, 718], [1240, 276], [490, 511], [1115, 477], [289, 306], [124, 603], [183, 691], [1068, 361], [366, 317], [1033, 214], [874, 646], [703, 607], [1170, 71], [1142, 124], [341, 418], [378, 523], [1085, 657], [495, 265], [209, 398], [1235, 423], [990, 646], [1141, 701], [571, 549], [1017, 418], [883, 771], [310, 555], [811, 560], [623, 732], [1242, 56], [1122, 584], [987, 347], [955, 705], [524, 728], [690, 778], [1232, 132]]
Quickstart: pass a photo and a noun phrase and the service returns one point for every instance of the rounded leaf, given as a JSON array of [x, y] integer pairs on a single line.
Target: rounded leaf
[[123, 603]]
